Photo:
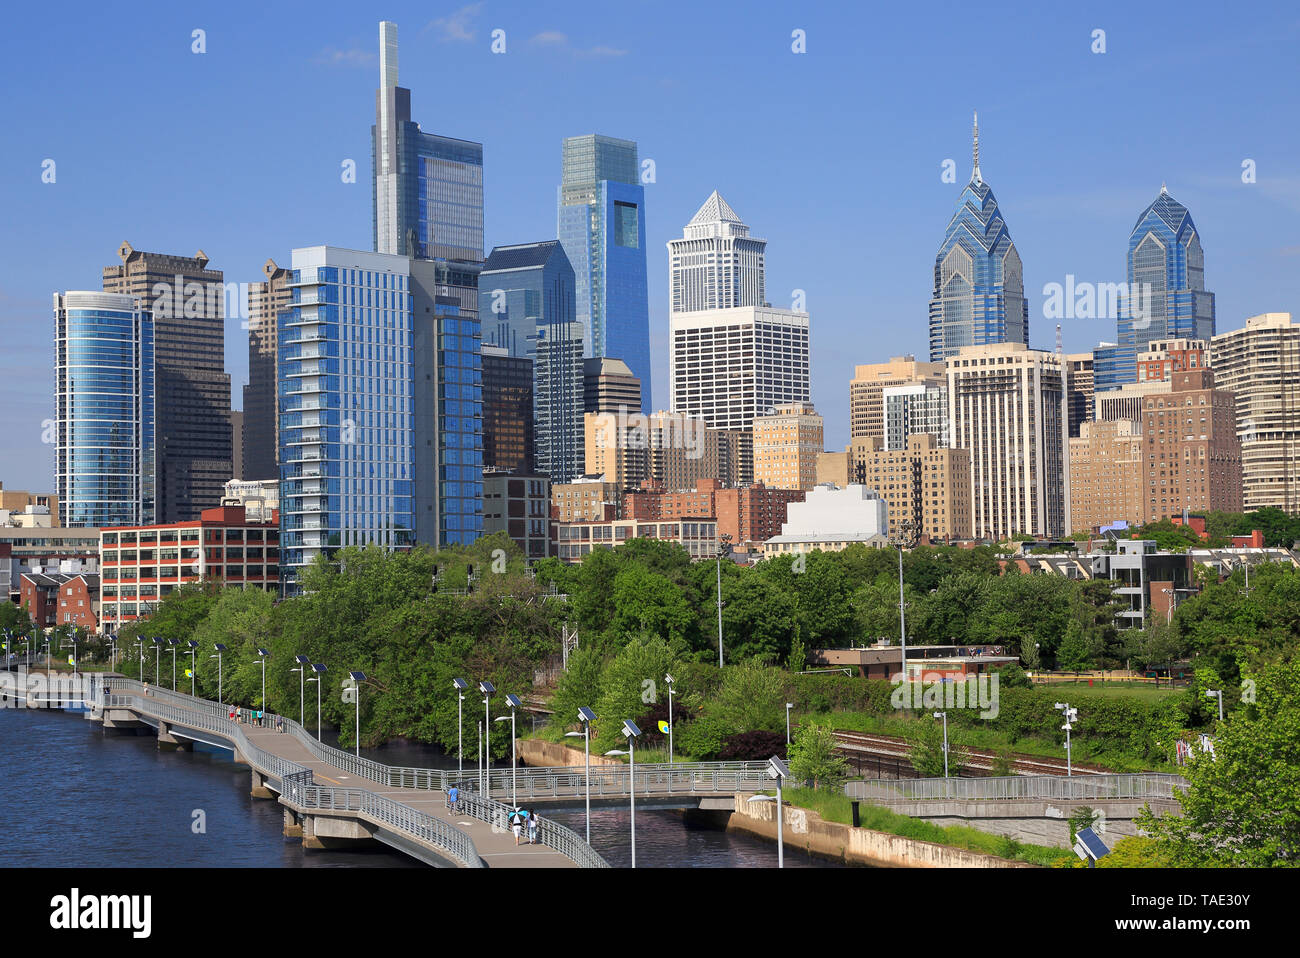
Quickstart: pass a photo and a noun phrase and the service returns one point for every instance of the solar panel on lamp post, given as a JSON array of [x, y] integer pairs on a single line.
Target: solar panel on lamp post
[[586, 716], [778, 770], [630, 731], [460, 685], [358, 677]]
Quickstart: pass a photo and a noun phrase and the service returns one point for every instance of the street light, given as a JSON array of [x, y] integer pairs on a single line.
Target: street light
[[723, 540], [303, 662], [487, 688], [513, 702], [778, 770], [358, 677], [944, 716], [157, 654], [173, 643], [318, 678], [671, 692], [460, 685], [262, 654], [1071, 715], [586, 716], [194, 665], [788, 707], [1218, 693], [220, 678], [630, 731], [901, 540]]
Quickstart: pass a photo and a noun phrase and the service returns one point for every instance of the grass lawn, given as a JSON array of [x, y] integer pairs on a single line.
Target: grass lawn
[[833, 806], [1144, 693]]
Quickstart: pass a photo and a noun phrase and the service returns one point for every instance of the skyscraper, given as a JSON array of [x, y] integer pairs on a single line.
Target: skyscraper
[[527, 306], [428, 189], [188, 304], [979, 289], [260, 420], [867, 387], [716, 264], [104, 402], [1165, 297], [601, 224], [508, 439]]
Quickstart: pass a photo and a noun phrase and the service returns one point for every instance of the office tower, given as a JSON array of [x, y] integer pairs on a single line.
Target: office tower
[[261, 419], [105, 409], [1006, 406], [601, 224], [1260, 365], [1106, 485], [924, 482], [609, 385], [427, 196], [508, 436], [448, 402], [237, 444], [1165, 296], [716, 264], [979, 289], [1193, 457], [527, 306], [866, 391], [347, 407], [915, 408], [1079, 387], [187, 301], [787, 442], [673, 449]]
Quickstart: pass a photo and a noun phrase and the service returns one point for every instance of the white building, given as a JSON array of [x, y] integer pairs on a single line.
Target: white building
[[716, 264], [259, 497], [1006, 404], [831, 519], [913, 408]]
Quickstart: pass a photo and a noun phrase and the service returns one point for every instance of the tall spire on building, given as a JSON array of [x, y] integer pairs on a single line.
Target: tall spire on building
[[387, 53], [975, 173]]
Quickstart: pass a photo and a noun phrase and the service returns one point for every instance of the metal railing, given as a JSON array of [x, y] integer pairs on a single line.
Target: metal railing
[[552, 834], [401, 818], [1137, 786]]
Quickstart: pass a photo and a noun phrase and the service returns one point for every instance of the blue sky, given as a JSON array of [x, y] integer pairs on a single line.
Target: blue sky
[[834, 155]]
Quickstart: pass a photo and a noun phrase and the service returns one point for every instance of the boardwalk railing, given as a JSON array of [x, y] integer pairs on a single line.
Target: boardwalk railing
[[399, 817], [550, 833], [1138, 786]]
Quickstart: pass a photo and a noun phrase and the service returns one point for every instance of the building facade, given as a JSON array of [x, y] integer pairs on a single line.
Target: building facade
[[608, 385], [574, 540], [57, 598], [1079, 386], [787, 442], [1260, 365], [1107, 460], [716, 264], [1007, 407], [914, 409], [586, 499], [831, 520], [261, 417], [508, 436], [924, 483], [868, 385], [187, 303], [979, 288], [519, 505], [748, 515], [17, 500], [1193, 456], [601, 224], [105, 401]]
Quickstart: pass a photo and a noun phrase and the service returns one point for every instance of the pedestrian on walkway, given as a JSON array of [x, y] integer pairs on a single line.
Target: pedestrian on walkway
[[532, 828], [517, 824], [279, 724]]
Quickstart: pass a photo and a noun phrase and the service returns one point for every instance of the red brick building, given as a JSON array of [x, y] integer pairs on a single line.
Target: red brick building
[[749, 514], [61, 599]]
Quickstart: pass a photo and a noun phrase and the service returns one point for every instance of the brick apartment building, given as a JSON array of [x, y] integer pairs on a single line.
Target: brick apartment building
[[61, 599], [749, 515]]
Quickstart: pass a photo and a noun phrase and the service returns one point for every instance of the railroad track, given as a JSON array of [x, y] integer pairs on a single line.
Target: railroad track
[[981, 760]]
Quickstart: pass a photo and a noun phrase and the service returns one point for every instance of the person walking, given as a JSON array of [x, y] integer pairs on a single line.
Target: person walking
[[279, 724], [517, 824], [532, 828]]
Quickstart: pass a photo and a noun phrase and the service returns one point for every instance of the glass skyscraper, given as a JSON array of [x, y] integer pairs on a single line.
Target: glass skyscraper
[[1165, 297], [526, 302], [601, 224], [346, 394], [427, 190], [104, 397], [979, 289]]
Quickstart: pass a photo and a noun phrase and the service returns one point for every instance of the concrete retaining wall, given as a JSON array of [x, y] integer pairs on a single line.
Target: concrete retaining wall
[[805, 829], [534, 751]]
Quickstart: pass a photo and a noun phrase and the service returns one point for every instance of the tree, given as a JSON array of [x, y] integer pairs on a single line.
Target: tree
[[751, 699], [813, 757], [1074, 653], [630, 682], [579, 686], [1242, 804], [925, 750]]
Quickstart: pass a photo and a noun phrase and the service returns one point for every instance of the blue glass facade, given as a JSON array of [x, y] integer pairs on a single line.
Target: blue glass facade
[[460, 426], [1165, 297], [601, 224], [105, 403], [346, 377]]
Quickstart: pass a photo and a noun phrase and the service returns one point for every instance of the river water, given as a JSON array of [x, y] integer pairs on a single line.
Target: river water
[[79, 796]]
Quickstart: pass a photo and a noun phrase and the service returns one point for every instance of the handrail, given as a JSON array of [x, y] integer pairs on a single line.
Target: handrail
[[1138, 786]]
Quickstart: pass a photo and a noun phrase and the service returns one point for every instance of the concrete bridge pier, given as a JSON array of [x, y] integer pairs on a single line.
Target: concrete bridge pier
[[321, 832], [121, 719], [167, 742], [292, 824], [259, 789]]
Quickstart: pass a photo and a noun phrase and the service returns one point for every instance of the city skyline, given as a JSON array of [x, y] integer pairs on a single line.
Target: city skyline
[[1040, 177]]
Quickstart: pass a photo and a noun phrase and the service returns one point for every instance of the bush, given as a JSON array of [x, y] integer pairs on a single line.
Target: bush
[[701, 738]]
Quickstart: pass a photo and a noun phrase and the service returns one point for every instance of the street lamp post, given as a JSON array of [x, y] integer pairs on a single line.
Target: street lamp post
[[1217, 693], [157, 654], [173, 643], [586, 716], [358, 678], [671, 692], [220, 675], [788, 707], [319, 679], [303, 662], [944, 716], [194, 663], [262, 654], [513, 702], [631, 732], [902, 539], [487, 688], [1071, 716], [723, 540], [460, 685], [778, 770]]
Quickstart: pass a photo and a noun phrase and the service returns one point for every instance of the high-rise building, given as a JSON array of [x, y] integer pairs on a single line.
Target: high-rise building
[[1106, 486], [673, 449], [1260, 365], [866, 391], [1165, 296], [527, 306], [1006, 406], [924, 483], [716, 264], [261, 420], [1079, 387], [427, 195], [519, 504], [347, 432], [104, 409], [508, 437], [915, 408], [608, 385], [188, 304], [1193, 457], [979, 288], [787, 442], [601, 224]]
